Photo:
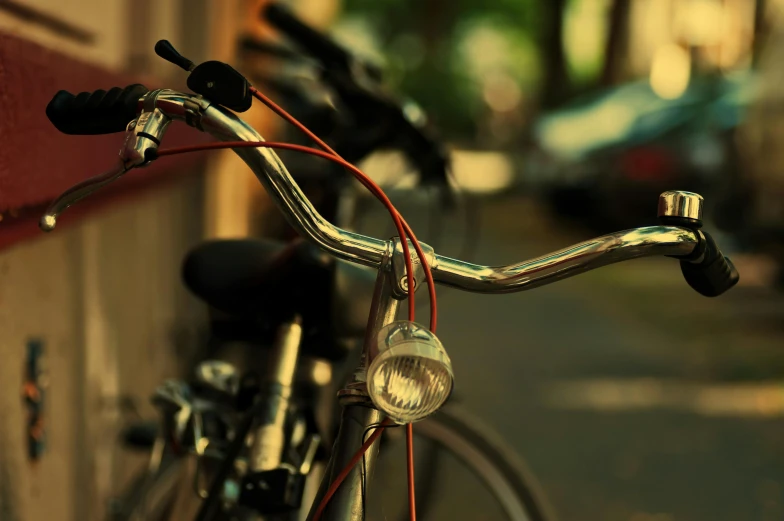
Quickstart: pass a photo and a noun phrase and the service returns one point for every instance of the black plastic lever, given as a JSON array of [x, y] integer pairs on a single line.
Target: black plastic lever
[[166, 50], [217, 81]]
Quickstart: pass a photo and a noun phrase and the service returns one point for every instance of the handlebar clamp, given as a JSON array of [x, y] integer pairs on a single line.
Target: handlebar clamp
[[143, 136]]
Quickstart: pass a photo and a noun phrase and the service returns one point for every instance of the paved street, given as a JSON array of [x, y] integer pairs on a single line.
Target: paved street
[[631, 397]]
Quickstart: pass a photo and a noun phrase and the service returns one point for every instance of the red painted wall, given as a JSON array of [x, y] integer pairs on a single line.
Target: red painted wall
[[37, 163]]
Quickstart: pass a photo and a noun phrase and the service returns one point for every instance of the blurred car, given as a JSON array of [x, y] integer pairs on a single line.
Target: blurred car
[[605, 158]]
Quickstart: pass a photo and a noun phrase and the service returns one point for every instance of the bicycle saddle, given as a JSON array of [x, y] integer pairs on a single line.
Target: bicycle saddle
[[260, 283]]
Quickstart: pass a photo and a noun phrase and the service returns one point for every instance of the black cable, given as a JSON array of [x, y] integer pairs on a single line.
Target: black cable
[[364, 464]]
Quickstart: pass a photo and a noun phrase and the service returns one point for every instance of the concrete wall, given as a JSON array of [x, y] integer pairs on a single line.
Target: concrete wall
[[106, 299], [103, 22], [105, 295]]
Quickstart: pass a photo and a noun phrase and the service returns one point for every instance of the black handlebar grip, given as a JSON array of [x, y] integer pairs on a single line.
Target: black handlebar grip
[[315, 43], [714, 274], [98, 112]]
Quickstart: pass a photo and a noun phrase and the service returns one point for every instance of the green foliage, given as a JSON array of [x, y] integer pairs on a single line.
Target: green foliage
[[425, 44]]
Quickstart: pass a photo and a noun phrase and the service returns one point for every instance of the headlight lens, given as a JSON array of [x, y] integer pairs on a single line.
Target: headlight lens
[[411, 375]]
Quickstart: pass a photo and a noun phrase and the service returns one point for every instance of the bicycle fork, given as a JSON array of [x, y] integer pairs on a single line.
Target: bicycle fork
[[359, 416]]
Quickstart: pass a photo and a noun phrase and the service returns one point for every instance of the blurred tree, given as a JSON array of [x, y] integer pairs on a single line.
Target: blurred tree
[[428, 59], [556, 83], [450, 55], [617, 37], [760, 29]]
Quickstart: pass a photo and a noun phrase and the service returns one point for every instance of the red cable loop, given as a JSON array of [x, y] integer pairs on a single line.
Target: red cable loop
[[409, 269], [357, 172]]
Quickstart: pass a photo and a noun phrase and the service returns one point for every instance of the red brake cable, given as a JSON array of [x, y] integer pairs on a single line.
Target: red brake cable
[[362, 177], [402, 226], [403, 229]]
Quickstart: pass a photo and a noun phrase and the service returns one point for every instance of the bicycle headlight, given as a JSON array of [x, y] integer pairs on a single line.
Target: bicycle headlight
[[410, 376]]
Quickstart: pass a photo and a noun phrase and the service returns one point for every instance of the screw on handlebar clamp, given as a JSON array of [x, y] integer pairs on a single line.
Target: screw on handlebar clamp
[[398, 272], [144, 134]]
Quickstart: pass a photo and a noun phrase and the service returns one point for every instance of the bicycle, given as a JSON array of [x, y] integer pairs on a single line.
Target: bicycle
[[355, 134], [368, 119], [268, 476]]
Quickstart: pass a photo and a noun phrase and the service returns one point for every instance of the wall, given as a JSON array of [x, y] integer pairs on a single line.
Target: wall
[[105, 297], [92, 30], [103, 294]]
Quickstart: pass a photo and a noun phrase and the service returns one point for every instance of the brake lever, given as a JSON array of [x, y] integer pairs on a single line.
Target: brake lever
[[142, 135], [214, 80], [78, 192]]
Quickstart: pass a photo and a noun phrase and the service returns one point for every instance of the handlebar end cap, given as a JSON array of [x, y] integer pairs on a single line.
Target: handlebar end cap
[[713, 274], [47, 222]]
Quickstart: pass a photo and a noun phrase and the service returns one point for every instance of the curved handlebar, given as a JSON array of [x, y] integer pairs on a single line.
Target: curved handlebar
[[162, 106], [265, 163], [300, 213], [561, 264]]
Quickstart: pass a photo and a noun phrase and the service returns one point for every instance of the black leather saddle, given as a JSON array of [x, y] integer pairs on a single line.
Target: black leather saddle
[[256, 284]]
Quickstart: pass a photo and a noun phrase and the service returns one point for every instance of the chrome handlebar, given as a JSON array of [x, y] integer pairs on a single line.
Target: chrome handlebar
[[224, 125], [570, 261]]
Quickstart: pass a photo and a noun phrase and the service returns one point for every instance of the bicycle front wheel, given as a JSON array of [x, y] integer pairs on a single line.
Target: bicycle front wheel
[[455, 434]]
